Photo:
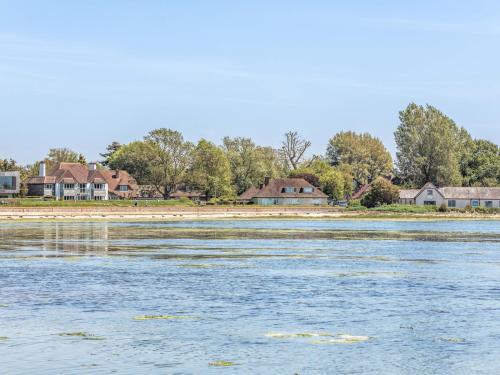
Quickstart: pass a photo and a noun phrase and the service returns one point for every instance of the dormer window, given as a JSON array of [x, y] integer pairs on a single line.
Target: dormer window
[[123, 187], [288, 189], [307, 190]]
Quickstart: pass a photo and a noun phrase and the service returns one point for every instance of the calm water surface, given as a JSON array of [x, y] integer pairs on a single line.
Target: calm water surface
[[78, 298]]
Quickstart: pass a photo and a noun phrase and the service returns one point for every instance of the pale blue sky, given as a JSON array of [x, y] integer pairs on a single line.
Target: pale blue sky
[[81, 74]]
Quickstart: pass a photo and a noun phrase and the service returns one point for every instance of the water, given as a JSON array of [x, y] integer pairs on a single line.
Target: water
[[72, 296]]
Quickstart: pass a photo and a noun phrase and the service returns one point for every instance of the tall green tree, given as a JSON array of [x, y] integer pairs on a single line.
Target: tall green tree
[[430, 147], [336, 182], [482, 164], [249, 163], [210, 170], [61, 155], [366, 155], [110, 150], [170, 159], [136, 158]]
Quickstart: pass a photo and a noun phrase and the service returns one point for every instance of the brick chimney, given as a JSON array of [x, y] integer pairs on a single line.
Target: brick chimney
[[92, 166], [266, 181]]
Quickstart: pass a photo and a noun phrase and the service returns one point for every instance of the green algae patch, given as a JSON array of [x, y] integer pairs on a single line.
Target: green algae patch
[[282, 335], [222, 364], [82, 335], [342, 339], [3, 338], [161, 317]]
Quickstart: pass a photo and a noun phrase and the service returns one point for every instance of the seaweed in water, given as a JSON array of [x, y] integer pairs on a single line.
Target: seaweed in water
[[83, 335], [161, 317], [222, 364]]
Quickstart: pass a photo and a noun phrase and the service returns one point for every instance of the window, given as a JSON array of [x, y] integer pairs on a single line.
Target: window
[[429, 203], [69, 186], [49, 186], [307, 190], [82, 187], [488, 204], [474, 203], [452, 203], [98, 186], [430, 192], [98, 198], [123, 187], [7, 182], [69, 198], [288, 189]]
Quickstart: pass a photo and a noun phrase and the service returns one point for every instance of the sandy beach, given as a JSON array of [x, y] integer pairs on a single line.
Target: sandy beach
[[212, 212]]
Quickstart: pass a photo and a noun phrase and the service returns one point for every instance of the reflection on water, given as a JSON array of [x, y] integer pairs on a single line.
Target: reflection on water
[[263, 297]]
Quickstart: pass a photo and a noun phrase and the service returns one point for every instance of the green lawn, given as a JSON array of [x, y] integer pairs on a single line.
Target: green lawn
[[27, 202]]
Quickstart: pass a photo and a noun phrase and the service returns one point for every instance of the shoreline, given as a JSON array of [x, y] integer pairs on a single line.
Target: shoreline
[[42, 214]]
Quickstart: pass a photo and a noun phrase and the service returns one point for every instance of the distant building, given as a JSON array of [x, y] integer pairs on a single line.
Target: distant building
[[74, 181], [194, 195], [285, 191], [452, 197], [9, 184], [407, 196]]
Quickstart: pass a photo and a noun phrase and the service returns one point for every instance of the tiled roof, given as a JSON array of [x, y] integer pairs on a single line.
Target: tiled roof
[[187, 194], [275, 189], [248, 194], [408, 193], [470, 192]]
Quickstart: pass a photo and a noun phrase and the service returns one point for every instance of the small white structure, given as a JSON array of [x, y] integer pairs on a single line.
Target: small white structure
[[452, 197]]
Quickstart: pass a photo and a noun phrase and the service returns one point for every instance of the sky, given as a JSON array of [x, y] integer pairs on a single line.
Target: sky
[[81, 74]]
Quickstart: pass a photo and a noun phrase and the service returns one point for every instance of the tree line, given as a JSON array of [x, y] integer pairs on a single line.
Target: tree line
[[430, 147]]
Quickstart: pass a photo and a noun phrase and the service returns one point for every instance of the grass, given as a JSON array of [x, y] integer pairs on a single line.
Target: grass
[[36, 202]]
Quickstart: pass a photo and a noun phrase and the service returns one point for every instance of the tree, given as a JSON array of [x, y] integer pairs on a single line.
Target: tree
[[135, 158], [334, 181], [430, 147], [381, 192], [210, 170], [110, 150], [61, 155], [170, 159], [249, 163], [482, 164], [294, 148], [366, 155], [82, 160]]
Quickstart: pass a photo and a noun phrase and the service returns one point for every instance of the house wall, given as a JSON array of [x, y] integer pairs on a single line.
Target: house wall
[[434, 197], [459, 203], [406, 201], [462, 203], [290, 201], [35, 190]]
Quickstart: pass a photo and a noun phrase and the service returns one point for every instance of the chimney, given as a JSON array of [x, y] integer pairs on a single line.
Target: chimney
[[41, 169], [266, 181], [92, 166]]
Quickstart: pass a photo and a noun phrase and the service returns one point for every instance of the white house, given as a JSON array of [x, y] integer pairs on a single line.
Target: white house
[[452, 197]]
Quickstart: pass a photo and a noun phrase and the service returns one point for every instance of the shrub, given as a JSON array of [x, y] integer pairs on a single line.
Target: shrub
[[381, 192], [443, 208]]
